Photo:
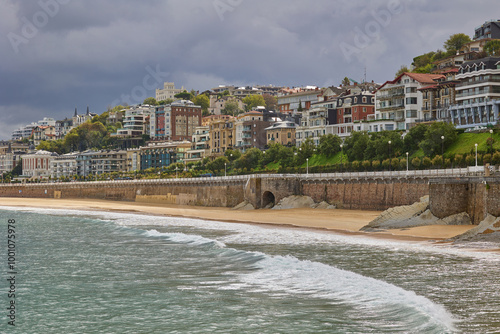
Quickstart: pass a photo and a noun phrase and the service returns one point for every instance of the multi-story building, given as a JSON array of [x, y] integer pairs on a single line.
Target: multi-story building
[[134, 121], [44, 132], [349, 112], [221, 132], [250, 130], [244, 91], [24, 132], [115, 117], [489, 29], [176, 121], [63, 127], [108, 161], [133, 159], [84, 163], [282, 133], [437, 98], [293, 102], [313, 123], [38, 165], [200, 144], [168, 92], [64, 166], [477, 94], [401, 102], [163, 154], [10, 156]]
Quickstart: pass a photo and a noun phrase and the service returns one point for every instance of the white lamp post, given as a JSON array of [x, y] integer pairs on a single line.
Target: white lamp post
[[476, 155], [390, 162], [225, 169], [341, 155], [307, 166], [442, 145], [406, 162]]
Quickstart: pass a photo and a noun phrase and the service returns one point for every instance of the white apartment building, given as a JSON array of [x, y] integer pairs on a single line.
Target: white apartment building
[[64, 166], [398, 103], [134, 121], [313, 123], [38, 165], [200, 147], [168, 92]]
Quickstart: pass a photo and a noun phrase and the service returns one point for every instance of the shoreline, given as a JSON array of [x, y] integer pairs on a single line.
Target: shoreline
[[340, 221]]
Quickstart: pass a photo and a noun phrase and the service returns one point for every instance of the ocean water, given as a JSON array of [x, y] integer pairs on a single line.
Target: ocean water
[[98, 272]]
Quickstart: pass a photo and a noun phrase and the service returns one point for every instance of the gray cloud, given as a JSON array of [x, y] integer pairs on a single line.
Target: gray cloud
[[93, 52]]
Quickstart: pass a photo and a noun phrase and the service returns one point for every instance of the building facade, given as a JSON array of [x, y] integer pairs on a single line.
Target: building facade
[[168, 92], [477, 93], [282, 133], [38, 165], [221, 133]]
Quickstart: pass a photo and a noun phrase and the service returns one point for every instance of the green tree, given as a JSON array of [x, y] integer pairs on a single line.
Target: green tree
[[299, 109], [492, 48], [165, 102], [426, 162], [232, 154], [253, 101], [306, 150], [271, 101], [346, 81], [231, 108], [414, 137], [329, 145], [416, 162], [455, 42], [433, 144], [203, 101], [217, 164], [250, 159], [151, 101], [355, 145], [185, 95]]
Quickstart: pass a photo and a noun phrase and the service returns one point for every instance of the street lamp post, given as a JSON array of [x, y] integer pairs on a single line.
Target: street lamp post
[[225, 169], [406, 162], [390, 156], [442, 145], [307, 166], [476, 155], [341, 156]]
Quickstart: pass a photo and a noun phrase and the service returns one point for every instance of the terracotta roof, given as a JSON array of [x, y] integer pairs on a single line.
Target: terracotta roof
[[424, 77]]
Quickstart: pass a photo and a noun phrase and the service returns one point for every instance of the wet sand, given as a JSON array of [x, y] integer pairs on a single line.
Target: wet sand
[[337, 220]]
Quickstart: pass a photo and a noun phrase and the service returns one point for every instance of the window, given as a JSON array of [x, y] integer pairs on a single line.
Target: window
[[364, 99], [411, 100], [411, 89]]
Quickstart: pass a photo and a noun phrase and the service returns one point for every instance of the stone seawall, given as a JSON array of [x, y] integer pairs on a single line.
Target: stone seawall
[[476, 196]]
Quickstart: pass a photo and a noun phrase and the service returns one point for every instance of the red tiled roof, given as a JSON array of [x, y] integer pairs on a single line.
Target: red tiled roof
[[424, 77]]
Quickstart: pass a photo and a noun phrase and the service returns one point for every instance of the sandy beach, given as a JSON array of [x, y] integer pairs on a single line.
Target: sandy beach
[[340, 221]]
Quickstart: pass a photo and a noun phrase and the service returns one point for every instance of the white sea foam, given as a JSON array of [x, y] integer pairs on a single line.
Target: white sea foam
[[252, 234], [184, 238]]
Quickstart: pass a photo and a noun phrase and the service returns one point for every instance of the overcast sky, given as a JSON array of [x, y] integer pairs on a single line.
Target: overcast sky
[[60, 54]]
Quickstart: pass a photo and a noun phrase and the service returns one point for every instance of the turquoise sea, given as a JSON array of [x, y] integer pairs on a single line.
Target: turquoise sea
[[101, 272]]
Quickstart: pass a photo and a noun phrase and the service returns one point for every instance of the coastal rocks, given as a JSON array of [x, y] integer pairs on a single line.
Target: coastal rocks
[[295, 202], [244, 206], [487, 231], [417, 214]]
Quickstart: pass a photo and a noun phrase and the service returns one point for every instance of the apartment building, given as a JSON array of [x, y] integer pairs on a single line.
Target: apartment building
[[108, 161], [399, 102], [437, 98], [477, 93], [250, 130], [489, 29], [64, 166], [135, 121], [291, 101], [42, 133], [200, 144], [313, 123], [222, 133], [163, 154], [282, 133], [176, 121]]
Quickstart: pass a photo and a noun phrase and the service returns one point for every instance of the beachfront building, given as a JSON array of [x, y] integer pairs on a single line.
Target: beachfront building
[[282, 133], [221, 133], [163, 154], [200, 144], [477, 94], [133, 159], [108, 161], [168, 91], [250, 130], [399, 102], [438, 97], [64, 166], [84, 163], [38, 164]]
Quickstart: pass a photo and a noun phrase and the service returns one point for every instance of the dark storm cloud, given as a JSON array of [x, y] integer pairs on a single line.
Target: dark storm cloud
[[95, 52]]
